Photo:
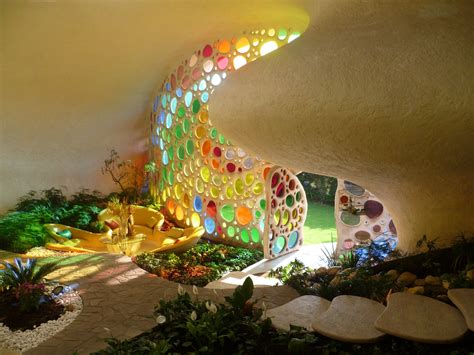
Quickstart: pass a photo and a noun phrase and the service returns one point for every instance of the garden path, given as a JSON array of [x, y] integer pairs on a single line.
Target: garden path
[[119, 299]]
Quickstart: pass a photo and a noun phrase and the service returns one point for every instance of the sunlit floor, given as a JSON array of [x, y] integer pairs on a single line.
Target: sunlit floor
[[320, 226]]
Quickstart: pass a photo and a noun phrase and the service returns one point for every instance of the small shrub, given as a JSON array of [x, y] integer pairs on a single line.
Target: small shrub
[[18, 273], [23, 282], [200, 265], [21, 231]]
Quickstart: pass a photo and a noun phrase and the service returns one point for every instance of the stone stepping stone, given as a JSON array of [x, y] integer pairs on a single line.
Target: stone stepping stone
[[350, 319], [301, 312], [236, 278], [422, 319], [463, 298]]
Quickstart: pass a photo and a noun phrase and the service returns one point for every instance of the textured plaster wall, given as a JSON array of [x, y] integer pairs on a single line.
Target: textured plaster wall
[[378, 93], [76, 78]]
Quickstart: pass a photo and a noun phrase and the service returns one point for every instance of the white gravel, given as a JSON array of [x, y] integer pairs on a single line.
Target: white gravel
[[28, 339]]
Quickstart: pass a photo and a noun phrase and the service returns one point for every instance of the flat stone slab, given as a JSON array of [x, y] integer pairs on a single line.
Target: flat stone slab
[[300, 312], [463, 298], [422, 319], [236, 278], [350, 319]]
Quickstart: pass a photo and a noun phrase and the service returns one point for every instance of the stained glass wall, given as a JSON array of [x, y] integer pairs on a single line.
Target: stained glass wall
[[361, 218], [204, 178]]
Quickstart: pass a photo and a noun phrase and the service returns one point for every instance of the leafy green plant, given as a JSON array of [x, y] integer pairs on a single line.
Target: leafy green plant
[[463, 252], [189, 326], [349, 259], [21, 231], [200, 265], [24, 282], [18, 273]]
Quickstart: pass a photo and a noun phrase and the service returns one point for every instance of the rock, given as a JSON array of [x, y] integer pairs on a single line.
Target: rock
[[236, 278], [463, 298], [422, 319], [446, 284], [419, 282], [333, 270], [392, 275], [435, 290], [432, 280], [70, 308], [301, 312], [351, 319], [335, 281], [417, 290], [470, 274], [443, 298], [352, 275], [321, 270], [407, 278]]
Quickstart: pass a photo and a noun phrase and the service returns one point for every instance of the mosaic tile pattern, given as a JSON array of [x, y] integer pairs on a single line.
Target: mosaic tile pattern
[[361, 218], [205, 179]]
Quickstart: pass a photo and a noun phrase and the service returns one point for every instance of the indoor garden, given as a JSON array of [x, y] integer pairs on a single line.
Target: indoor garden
[[188, 217]]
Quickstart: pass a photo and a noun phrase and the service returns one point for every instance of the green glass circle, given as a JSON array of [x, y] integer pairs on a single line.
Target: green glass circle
[[290, 201], [258, 214], [255, 235], [213, 133], [171, 178], [227, 213], [221, 139], [245, 236], [190, 147], [180, 152], [186, 125], [178, 131], [170, 153], [279, 244], [263, 204], [196, 106], [181, 111], [231, 231], [349, 218], [298, 196]]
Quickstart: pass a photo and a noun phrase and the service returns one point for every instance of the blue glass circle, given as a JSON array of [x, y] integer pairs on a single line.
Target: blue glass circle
[[188, 98], [165, 158], [205, 97], [179, 92], [197, 204], [209, 225]]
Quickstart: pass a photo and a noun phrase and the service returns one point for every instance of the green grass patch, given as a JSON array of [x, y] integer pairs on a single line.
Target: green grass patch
[[320, 225]]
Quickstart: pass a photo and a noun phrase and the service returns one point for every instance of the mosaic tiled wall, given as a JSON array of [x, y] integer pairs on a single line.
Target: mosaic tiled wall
[[205, 179], [287, 210], [361, 218]]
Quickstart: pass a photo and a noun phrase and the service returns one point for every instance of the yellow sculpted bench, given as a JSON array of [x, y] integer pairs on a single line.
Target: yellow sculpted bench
[[147, 235]]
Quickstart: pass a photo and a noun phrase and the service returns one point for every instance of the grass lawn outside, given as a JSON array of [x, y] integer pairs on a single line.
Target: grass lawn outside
[[320, 225]]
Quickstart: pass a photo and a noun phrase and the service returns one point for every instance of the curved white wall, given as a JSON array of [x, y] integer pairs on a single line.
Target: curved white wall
[[378, 93]]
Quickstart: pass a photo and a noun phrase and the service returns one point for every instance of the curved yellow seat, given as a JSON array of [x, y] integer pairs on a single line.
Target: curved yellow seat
[[142, 216], [81, 241], [175, 240]]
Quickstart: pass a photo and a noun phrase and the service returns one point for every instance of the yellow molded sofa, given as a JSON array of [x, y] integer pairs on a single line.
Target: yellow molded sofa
[[148, 235], [81, 241]]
